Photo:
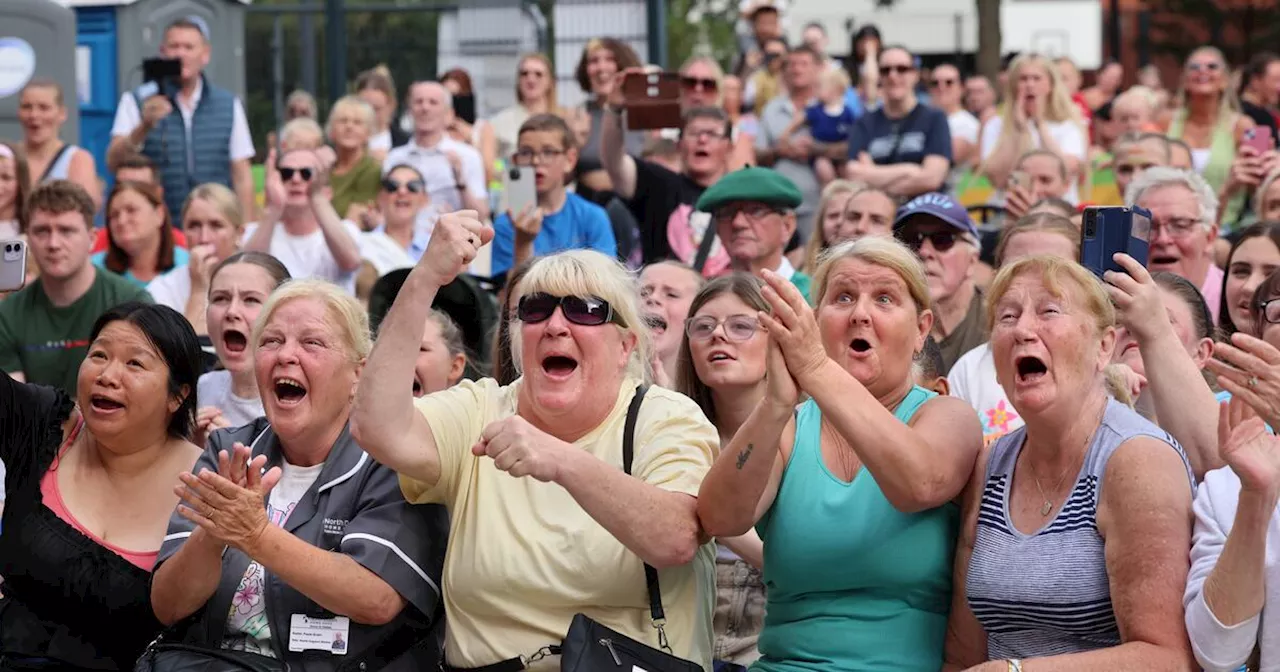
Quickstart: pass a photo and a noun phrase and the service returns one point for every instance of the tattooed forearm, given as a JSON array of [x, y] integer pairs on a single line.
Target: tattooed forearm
[[745, 454]]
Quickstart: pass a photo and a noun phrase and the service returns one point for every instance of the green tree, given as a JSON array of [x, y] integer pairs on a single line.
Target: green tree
[[701, 27]]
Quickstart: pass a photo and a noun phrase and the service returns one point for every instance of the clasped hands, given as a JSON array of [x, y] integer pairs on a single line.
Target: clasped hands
[[230, 504]]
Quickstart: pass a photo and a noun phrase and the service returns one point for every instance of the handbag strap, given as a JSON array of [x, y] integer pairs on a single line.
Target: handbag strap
[[704, 251], [656, 612]]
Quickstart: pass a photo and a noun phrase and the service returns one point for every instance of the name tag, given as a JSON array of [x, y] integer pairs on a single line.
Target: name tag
[[319, 634]]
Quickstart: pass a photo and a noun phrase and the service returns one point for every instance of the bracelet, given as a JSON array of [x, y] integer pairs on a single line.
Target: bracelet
[[1015, 665]]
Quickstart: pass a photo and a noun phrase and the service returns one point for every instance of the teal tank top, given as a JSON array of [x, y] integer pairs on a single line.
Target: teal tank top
[[851, 582]]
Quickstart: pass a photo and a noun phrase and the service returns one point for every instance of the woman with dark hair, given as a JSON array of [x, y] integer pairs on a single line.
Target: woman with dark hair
[[90, 489], [376, 87], [458, 82], [862, 65], [140, 243], [598, 73], [1254, 256]]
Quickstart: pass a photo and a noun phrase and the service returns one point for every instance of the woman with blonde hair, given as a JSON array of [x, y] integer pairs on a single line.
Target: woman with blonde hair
[[214, 225], [1207, 117], [848, 211], [535, 94], [546, 524], [1038, 114], [356, 176]]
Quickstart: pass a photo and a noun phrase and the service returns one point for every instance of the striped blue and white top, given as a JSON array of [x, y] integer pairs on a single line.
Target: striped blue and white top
[[1047, 593]]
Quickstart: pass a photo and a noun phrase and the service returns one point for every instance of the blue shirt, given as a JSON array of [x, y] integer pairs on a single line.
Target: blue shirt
[[826, 127], [922, 133], [580, 224], [180, 258]]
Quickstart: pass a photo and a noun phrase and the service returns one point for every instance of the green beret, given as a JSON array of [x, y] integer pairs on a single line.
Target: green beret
[[751, 184]]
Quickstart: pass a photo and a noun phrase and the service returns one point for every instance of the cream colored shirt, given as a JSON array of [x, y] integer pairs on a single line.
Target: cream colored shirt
[[524, 557]]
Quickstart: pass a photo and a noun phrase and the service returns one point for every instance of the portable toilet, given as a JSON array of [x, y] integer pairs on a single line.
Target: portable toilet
[[115, 36], [37, 39]]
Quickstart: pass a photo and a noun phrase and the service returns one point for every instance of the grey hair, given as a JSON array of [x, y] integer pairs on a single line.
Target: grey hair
[[1163, 176]]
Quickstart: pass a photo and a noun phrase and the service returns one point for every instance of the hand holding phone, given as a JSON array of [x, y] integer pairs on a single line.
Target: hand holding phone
[[519, 189], [1108, 230], [1259, 138], [13, 265]]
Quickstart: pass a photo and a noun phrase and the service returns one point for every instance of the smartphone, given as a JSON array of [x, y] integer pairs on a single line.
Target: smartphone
[[160, 76], [464, 108], [1018, 178], [1259, 138], [651, 100], [519, 189], [1108, 230], [13, 265]]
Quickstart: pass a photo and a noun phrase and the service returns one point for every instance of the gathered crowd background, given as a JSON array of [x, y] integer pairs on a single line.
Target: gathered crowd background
[[758, 391]]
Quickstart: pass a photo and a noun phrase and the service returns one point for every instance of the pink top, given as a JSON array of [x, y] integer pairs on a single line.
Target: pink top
[[1212, 290], [52, 499]]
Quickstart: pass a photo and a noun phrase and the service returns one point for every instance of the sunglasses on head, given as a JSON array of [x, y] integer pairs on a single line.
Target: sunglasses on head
[[694, 83], [392, 186], [590, 311], [941, 240], [885, 70], [287, 174]]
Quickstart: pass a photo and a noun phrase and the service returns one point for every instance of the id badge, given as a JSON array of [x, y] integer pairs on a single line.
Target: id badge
[[319, 634]]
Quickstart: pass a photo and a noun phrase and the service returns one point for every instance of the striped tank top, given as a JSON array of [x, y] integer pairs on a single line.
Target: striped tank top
[[1047, 593]]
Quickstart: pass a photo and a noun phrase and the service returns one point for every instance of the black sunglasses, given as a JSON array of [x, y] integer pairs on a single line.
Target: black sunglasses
[[693, 83], [392, 186], [941, 240], [588, 311], [286, 174], [900, 69]]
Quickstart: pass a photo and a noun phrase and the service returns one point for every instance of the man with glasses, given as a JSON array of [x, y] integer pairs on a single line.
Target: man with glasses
[[401, 238], [560, 221], [793, 155], [299, 225], [453, 170], [904, 147], [754, 213], [946, 240], [1184, 216], [947, 94]]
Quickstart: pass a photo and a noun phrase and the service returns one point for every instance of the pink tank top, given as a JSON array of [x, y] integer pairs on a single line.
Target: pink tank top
[[52, 499]]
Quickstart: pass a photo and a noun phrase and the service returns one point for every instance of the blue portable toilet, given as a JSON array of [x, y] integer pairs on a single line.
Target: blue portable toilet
[[113, 38], [37, 39]]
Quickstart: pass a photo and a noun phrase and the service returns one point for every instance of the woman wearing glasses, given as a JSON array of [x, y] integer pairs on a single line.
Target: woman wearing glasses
[[1207, 116], [721, 366], [398, 240], [535, 94], [545, 523], [853, 492]]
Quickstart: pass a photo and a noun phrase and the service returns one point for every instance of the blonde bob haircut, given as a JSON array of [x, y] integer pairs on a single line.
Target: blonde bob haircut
[[346, 316], [354, 105], [817, 238], [588, 273], [878, 251], [1065, 279], [221, 198]]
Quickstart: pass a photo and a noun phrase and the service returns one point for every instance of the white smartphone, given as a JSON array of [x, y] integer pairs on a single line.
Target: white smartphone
[[520, 189], [13, 265]]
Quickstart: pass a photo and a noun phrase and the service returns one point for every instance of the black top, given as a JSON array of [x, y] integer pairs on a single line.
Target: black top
[[1260, 117], [659, 195], [65, 597]]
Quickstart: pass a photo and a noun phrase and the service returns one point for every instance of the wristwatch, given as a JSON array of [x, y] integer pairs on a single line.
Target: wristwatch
[[1015, 665]]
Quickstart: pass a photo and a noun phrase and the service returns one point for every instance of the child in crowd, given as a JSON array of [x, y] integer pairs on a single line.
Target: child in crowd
[[929, 368], [828, 120]]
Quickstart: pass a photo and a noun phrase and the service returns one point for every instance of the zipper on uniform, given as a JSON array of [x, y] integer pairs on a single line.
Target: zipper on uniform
[[608, 644]]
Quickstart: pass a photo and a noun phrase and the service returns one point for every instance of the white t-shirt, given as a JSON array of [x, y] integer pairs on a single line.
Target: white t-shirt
[[129, 117], [963, 125], [173, 289], [1069, 136], [309, 256], [973, 378], [383, 252], [433, 164], [214, 389], [248, 628], [8, 229], [380, 142]]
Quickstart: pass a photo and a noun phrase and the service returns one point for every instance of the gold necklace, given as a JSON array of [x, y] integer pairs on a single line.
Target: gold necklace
[[1047, 506]]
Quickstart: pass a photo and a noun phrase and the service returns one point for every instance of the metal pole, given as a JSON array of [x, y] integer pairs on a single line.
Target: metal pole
[[307, 50], [958, 22], [1115, 31], [656, 16], [277, 67], [335, 23]]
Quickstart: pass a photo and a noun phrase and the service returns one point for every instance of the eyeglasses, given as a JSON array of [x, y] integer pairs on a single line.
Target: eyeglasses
[[941, 83], [588, 311], [1211, 66], [1176, 228], [532, 73], [392, 186], [525, 156], [1270, 311], [703, 135], [695, 83], [286, 174], [941, 240], [736, 327], [754, 212], [886, 70]]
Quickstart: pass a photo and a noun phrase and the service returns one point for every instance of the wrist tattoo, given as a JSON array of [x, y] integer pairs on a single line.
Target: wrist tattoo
[[745, 455]]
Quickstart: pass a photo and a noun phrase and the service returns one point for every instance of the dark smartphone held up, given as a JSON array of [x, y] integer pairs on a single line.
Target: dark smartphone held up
[[161, 76], [464, 108], [651, 100], [1108, 230]]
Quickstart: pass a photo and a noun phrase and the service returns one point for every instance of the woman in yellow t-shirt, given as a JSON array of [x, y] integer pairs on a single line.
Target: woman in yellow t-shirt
[[545, 523]]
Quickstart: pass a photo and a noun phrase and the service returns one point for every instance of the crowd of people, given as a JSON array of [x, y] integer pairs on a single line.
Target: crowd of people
[[760, 391]]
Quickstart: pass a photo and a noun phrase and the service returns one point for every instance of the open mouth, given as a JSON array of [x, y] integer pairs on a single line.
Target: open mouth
[[417, 387], [656, 323], [701, 154], [235, 340], [104, 404], [559, 366], [860, 345], [721, 356], [289, 390], [1030, 369], [1164, 261]]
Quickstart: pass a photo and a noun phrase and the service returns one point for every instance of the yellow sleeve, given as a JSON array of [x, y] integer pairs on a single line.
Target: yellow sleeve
[[457, 417], [676, 444]]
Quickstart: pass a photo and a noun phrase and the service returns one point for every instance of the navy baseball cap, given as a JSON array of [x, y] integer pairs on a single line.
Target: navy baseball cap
[[938, 206]]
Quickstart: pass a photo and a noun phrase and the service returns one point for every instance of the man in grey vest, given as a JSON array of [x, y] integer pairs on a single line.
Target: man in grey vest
[[199, 135]]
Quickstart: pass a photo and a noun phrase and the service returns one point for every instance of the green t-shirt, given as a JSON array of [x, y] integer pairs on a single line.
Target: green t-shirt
[[46, 343], [358, 185]]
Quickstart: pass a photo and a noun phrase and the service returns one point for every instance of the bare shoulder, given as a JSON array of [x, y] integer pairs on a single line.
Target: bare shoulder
[[1145, 471], [952, 412]]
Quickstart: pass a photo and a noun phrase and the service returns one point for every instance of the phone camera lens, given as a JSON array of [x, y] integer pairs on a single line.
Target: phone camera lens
[[8, 248], [515, 173]]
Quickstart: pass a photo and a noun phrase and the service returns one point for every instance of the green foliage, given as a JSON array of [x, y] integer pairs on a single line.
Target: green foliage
[[701, 27]]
